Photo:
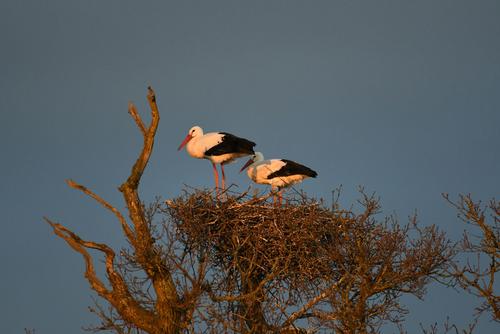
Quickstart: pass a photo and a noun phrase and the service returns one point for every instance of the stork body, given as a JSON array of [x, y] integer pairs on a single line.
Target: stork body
[[218, 147], [278, 173]]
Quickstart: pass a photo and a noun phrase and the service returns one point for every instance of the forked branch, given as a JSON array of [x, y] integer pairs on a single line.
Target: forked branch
[[478, 276], [166, 317], [104, 203], [119, 296]]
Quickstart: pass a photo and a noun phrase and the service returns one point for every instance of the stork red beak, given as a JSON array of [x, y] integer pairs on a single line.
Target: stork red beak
[[184, 142], [248, 163]]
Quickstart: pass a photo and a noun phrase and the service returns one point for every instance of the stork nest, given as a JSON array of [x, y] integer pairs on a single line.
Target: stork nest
[[297, 237], [302, 246]]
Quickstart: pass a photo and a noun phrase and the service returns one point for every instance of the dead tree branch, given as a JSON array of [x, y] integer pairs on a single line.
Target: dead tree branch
[[166, 316], [478, 271], [119, 296]]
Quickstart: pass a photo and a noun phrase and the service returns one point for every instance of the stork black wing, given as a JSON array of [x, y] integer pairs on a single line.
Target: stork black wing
[[292, 168], [231, 144]]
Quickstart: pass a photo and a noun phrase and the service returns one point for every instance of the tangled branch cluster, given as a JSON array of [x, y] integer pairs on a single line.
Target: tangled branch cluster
[[274, 266], [478, 271]]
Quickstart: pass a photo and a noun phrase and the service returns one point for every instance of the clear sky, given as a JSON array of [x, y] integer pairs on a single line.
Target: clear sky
[[402, 97]]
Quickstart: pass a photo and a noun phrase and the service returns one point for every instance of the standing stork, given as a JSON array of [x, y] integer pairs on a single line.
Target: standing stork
[[218, 147], [279, 173]]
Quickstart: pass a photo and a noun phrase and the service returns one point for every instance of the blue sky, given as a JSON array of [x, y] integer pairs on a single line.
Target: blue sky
[[401, 97]]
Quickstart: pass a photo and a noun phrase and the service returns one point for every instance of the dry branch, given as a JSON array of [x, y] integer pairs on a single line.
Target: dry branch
[[119, 296], [132, 110], [166, 317], [100, 200], [478, 272]]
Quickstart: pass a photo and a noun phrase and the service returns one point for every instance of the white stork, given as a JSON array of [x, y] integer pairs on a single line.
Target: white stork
[[279, 173], [218, 147]]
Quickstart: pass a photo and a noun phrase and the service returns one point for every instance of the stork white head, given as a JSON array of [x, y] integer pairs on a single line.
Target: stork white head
[[195, 131], [257, 157]]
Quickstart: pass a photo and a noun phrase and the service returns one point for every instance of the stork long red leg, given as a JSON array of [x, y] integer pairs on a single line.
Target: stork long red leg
[[273, 191], [280, 197], [223, 176], [216, 175]]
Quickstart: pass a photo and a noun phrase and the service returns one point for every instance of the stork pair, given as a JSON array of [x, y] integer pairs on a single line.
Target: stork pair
[[223, 148]]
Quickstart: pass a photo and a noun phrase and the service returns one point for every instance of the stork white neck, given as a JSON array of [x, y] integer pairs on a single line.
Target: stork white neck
[[258, 157], [253, 161]]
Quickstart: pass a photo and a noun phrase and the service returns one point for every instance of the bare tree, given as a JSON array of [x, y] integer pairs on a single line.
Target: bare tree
[[201, 263], [477, 270]]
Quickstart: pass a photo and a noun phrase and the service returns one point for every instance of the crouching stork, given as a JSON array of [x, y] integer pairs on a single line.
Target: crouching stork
[[279, 173]]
